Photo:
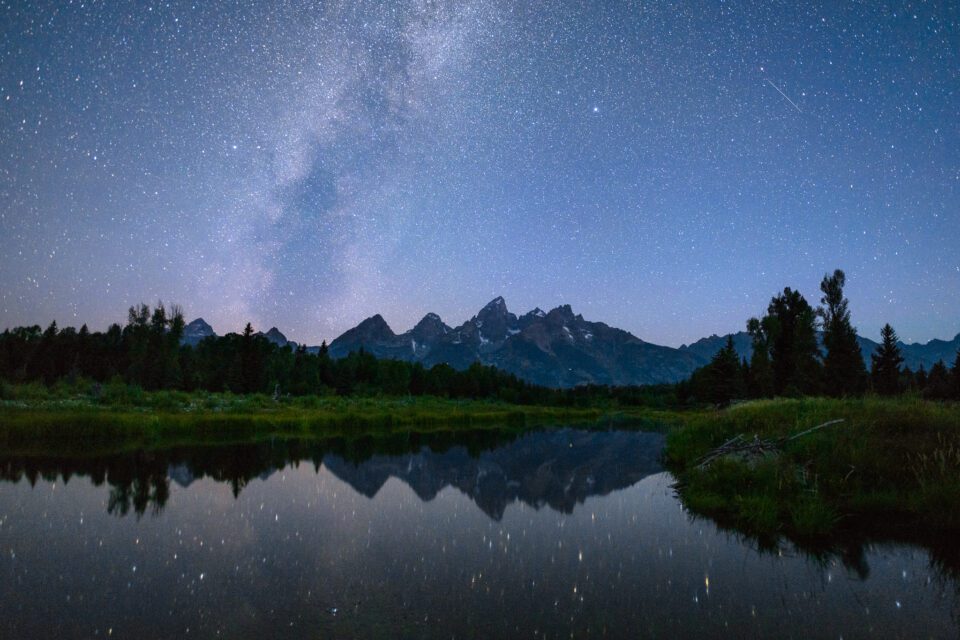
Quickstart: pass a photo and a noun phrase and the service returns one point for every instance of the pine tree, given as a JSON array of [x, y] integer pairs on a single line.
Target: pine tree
[[250, 364], [82, 364], [724, 378], [136, 345], [908, 379], [939, 383], [955, 376], [843, 370], [760, 383], [920, 380], [886, 363], [41, 364], [790, 325]]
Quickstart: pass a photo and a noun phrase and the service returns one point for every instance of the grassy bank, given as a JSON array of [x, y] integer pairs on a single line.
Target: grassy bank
[[41, 418], [892, 463]]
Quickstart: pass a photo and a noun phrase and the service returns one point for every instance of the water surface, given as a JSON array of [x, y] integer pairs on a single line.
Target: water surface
[[548, 534]]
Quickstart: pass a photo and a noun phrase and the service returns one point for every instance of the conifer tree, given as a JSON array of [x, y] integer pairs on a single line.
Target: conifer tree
[[790, 325], [920, 380], [724, 378], [886, 363], [250, 365], [760, 383], [939, 383], [955, 376], [843, 370]]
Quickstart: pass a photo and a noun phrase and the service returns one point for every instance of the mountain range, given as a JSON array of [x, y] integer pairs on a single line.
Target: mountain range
[[555, 348]]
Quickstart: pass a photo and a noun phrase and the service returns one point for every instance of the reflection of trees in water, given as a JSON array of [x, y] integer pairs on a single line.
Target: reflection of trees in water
[[849, 547], [140, 493], [141, 480]]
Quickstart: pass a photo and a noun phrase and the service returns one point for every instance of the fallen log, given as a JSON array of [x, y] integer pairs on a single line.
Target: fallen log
[[740, 446]]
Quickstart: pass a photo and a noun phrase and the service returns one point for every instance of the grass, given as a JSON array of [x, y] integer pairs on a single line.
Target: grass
[[892, 463], [37, 418]]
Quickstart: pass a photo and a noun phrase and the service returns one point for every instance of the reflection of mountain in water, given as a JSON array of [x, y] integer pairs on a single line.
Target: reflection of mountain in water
[[559, 469]]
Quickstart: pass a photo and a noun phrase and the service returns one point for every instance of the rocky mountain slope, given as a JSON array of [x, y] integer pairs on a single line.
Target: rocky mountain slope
[[557, 348]]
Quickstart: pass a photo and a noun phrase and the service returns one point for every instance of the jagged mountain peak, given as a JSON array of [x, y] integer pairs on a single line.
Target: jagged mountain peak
[[496, 308], [199, 322], [430, 326], [562, 349], [563, 312], [370, 335], [196, 331], [275, 336], [494, 323], [375, 324]]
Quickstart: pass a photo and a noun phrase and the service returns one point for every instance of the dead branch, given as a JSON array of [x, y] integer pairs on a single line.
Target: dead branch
[[741, 447]]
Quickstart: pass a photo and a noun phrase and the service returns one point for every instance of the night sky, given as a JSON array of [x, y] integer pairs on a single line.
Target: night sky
[[662, 167]]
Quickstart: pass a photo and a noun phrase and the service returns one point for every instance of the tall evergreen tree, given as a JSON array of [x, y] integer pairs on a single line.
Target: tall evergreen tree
[[250, 364], [908, 379], [887, 359], [760, 383], [920, 380], [84, 358], [42, 364], [791, 327], [939, 383], [136, 338], [843, 370], [955, 375], [724, 378]]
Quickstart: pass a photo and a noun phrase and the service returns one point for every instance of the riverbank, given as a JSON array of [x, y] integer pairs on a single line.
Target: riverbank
[[891, 463], [123, 418]]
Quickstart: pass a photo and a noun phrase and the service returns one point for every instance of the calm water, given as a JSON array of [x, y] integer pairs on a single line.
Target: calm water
[[550, 534]]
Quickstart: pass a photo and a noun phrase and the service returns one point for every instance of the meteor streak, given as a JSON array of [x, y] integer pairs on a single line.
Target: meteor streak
[[784, 95]]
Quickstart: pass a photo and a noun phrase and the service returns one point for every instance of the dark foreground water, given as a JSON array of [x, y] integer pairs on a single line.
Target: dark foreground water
[[545, 535]]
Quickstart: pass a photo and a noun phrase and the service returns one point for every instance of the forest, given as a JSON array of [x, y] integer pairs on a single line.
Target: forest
[[147, 353], [787, 360]]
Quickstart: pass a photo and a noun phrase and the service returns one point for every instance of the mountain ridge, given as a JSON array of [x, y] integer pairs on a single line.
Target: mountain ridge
[[556, 348]]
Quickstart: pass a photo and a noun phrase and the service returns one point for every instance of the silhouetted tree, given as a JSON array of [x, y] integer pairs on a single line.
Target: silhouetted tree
[[920, 379], [790, 331], [955, 376], [939, 383], [724, 378], [908, 380], [885, 372], [136, 337], [304, 378], [41, 365], [843, 370], [251, 365], [760, 382]]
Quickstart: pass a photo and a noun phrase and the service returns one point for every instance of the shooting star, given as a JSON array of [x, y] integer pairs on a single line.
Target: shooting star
[[784, 95]]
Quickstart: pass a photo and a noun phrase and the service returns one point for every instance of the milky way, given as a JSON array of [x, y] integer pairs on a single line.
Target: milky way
[[662, 167]]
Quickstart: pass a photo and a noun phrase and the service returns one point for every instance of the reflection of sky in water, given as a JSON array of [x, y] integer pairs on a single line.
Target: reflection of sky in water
[[303, 554]]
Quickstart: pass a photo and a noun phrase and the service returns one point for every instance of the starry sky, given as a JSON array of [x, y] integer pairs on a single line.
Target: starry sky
[[662, 167]]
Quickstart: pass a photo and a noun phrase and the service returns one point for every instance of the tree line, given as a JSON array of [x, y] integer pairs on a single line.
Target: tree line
[[787, 359], [147, 353]]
